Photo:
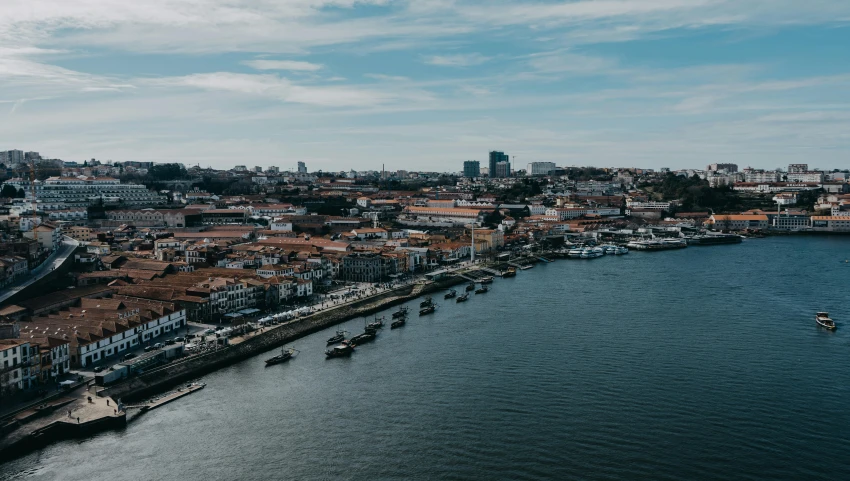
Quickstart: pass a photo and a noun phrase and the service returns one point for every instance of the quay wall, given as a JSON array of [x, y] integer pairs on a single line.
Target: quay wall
[[176, 372]]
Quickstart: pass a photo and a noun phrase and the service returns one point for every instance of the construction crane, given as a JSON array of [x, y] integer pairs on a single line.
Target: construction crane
[[34, 201]]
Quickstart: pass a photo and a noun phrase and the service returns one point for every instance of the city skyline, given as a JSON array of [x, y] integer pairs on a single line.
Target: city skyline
[[428, 85]]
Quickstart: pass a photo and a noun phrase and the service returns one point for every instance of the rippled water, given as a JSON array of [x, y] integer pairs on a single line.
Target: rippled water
[[703, 363]]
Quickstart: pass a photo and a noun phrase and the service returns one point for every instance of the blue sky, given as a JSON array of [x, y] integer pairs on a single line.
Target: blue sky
[[427, 84]]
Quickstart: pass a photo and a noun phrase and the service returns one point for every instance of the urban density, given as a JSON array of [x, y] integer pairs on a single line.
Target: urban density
[[115, 269]]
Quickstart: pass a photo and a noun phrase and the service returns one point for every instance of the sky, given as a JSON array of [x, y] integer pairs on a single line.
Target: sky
[[428, 84]]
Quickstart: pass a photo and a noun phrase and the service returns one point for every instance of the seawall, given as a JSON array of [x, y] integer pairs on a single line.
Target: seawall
[[167, 376]]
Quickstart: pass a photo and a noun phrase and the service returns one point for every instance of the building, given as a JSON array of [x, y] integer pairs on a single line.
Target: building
[[302, 168], [790, 222], [368, 267], [503, 170], [48, 236], [540, 168], [15, 365], [737, 222], [805, 177], [224, 216], [495, 159], [156, 218], [761, 176], [829, 223], [648, 205], [442, 214], [471, 169], [728, 168], [82, 191], [12, 157], [797, 168]]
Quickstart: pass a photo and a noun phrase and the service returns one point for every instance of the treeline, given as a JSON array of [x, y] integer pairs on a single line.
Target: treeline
[[696, 194]]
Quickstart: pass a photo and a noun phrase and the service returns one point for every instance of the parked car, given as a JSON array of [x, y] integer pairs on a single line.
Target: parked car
[[178, 339], [169, 342], [209, 331], [129, 356], [98, 369], [148, 348], [158, 345]]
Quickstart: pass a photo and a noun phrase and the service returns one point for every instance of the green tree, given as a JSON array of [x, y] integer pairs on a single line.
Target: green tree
[[8, 191]]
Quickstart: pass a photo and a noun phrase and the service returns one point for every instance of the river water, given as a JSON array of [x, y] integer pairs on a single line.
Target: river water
[[701, 363]]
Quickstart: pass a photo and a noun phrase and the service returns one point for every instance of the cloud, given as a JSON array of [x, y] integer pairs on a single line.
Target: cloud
[[393, 78], [457, 60], [283, 65]]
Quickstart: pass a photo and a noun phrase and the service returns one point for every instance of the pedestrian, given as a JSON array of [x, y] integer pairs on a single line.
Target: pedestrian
[[107, 402], [78, 420]]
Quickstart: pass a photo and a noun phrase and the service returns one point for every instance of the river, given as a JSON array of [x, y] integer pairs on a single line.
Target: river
[[701, 363]]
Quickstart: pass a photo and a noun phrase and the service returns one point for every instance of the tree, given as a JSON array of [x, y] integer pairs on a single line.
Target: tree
[[167, 171], [8, 191]]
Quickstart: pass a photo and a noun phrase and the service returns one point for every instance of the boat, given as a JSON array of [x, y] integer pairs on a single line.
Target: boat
[[398, 323], [713, 239], [527, 267], [621, 250], [482, 290], [340, 351], [511, 272], [657, 245], [367, 336], [486, 280], [378, 323], [463, 298], [427, 302], [427, 310], [470, 287], [451, 294], [339, 337], [285, 354], [401, 312], [574, 253], [823, 319], [592, 252]]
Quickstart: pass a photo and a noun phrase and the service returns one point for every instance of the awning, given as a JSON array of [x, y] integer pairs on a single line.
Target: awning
[[249, 311]]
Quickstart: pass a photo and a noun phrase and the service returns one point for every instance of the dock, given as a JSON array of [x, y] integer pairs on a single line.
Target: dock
[[172, 396]]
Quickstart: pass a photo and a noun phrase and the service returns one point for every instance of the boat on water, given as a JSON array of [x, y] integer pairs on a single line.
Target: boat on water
[[527, 267], [713, 239], [427, 310], [378, 323], [451, 294], [657, 245], [367, 336], [463, 298], [621, 250], [398, 323], [824, 320], [340, 351], [470, 287], [592, 252], [401, 312], [286, 354], [575, 253], [339, 337], [511, 272], [427, 302], [486, 280], [482, 290]]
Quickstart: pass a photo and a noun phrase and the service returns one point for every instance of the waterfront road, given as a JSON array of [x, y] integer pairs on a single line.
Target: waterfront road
[[55, 260]]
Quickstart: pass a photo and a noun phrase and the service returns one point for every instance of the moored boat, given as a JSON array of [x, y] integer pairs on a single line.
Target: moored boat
[[451, 294], [398, 323], [401, 312], [470, 287], [378, 323], [339, 337], [482, 290], [486, 280], [340, 351], [427, 310], [427, 302], [285, 354], [574, 253], [511, 272], [367, 336], [463, 298], [824, 320]]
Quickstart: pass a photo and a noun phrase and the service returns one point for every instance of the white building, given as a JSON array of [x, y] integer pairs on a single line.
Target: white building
[[71, 192], [540, 168]]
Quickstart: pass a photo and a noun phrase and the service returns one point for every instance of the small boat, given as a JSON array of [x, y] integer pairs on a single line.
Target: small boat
[[486, 280], [398, 323], [378, 323], [470, 287], [339, 337], [451, 294], [482, 290], [427, 310], [622, 250], [511, 272], [340, 351], [367, 336], [823, 319], [401, 312], [574, 253], [427, 302], [463, 298], [285, 354], [527, 267]]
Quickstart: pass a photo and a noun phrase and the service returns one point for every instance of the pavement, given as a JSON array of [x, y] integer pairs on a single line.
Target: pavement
[[55, 260]]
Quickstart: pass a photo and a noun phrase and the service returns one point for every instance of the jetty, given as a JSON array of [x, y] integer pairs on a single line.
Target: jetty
[[172, 396]]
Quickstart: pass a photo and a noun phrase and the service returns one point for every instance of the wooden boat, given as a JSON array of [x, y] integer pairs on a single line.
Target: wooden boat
[[285, 354], [451, 294], [398, 323], [427, 310], [511, 272], [470, 287], [378, 323], [427, 302], [823, 319], [339, 337], [401, 312], [486, 280], [482, 290], [344, 349], [463, 298], [367, 336]]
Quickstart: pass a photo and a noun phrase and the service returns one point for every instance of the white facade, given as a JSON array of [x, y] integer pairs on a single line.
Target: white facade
[[130, 338]]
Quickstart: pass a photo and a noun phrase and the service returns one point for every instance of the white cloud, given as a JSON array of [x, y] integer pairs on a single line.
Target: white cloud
[[457, 60], [283, 65]]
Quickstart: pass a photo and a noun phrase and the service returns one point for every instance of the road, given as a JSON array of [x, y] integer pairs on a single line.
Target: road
[[55, 260]]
